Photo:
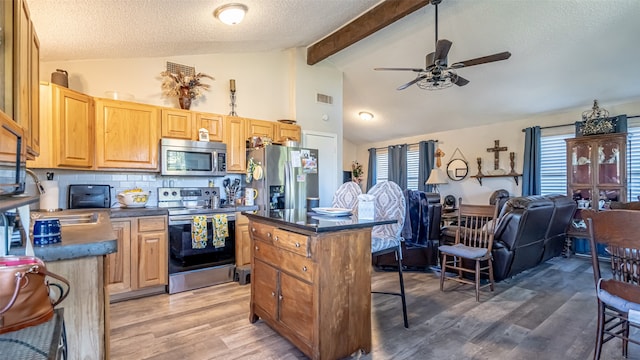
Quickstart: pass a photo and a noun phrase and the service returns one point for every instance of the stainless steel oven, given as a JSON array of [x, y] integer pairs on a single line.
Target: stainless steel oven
[[191, 268], [13, 157], [192, 158]]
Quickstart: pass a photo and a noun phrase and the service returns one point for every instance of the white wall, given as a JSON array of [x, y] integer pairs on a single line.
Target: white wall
[[474, 141], [263, 81], [350, 152]]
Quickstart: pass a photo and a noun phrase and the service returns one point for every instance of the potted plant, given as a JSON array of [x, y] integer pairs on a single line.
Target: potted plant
[[184, 87]]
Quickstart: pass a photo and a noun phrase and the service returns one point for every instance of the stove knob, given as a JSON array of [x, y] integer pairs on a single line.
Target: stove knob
[[206, 192], [214, 192], [174, 193], [166, 193]]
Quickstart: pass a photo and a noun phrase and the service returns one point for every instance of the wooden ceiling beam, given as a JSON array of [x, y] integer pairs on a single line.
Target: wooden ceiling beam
[[380, 16]]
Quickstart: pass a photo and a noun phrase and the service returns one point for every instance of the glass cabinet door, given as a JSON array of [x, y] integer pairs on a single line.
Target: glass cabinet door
[[580, 163], [609, 168]]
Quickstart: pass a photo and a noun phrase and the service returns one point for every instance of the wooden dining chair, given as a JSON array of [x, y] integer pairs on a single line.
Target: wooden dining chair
[[474, 240], [618, 294]]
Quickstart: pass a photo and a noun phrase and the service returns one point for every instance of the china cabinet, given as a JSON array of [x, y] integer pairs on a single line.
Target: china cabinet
[[596, 170]]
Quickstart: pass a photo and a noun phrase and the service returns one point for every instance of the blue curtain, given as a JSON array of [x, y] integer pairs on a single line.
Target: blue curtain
[[371, 170], [531, 165], [398, 165], [426, 161]]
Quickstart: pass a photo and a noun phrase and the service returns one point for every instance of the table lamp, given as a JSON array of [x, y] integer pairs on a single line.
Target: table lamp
[[436, 177]]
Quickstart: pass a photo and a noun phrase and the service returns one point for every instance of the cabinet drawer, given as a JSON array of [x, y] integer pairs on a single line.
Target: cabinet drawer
[[157, 223], [297, 243], [261, 231], [296, 265]]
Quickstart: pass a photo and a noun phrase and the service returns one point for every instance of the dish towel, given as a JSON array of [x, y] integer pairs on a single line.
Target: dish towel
[[199, 232], [220, 230]]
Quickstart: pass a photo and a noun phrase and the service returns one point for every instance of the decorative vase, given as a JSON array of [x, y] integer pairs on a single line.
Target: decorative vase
[[185, 102]]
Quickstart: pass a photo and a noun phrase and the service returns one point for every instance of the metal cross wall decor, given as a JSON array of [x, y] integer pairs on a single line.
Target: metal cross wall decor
[[496, 151]]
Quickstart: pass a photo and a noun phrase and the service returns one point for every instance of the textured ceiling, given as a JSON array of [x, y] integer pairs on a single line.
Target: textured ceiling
[[565, 52]]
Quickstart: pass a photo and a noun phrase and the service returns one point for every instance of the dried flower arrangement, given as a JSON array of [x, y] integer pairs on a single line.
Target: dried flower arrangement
[[181, 85], [356, 172]]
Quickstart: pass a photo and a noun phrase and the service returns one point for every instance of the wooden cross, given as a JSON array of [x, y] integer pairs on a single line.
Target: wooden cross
[[496, 150], [439, 154]]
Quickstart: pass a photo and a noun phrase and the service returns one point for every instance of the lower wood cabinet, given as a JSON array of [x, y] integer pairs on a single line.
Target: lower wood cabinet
[[313, 289], [243, 241], [140, 264]]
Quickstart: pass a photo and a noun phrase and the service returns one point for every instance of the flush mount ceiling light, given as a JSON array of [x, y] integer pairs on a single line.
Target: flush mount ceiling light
[[365, 115], [231, 14]]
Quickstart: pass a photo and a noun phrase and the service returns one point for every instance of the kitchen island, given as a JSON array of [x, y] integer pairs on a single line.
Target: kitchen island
[[79, 257], [311, 280]]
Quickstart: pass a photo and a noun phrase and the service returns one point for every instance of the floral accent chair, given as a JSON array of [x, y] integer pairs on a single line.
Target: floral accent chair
[[346, 197], [390, 204]]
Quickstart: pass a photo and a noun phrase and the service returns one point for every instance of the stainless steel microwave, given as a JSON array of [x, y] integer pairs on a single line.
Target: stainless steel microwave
[[192, 158], [13, 157]]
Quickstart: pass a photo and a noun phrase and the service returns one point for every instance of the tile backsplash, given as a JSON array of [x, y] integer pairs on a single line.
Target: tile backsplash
[[120, 181]]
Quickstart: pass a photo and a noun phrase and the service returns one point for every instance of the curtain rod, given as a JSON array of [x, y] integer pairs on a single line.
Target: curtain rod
[[386, 147], [572, 124]]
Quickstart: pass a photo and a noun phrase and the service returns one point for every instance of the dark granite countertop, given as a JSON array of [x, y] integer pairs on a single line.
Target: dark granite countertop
[[136, 212], [312, 222], [94, 238]]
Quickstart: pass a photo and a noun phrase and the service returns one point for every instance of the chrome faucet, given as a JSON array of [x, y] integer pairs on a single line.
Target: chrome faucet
[[39, 186]]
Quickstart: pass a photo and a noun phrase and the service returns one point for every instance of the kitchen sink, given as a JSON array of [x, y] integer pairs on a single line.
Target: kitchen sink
[[71, 218]]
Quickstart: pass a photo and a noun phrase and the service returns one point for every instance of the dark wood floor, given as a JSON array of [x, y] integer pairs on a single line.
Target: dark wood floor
[[545, 313]]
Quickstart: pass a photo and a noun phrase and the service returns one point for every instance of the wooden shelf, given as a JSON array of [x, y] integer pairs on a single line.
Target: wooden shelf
[[481, 176]]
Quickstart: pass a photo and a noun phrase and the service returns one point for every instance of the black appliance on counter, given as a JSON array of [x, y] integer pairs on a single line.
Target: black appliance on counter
[[191, 268], [89, 196]]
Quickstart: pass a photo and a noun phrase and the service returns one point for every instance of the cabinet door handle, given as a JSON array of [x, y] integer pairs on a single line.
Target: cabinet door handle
[[257, 248], [304, 268], [276, 238], [280, 297], [273, 294], [268, 234], [297, 244], [253, 229]]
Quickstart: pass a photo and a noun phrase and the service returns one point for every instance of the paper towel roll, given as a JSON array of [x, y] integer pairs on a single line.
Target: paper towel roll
[[50, 199]]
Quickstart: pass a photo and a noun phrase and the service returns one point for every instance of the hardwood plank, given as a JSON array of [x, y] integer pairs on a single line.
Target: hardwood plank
[[548, 312], [366, 24]]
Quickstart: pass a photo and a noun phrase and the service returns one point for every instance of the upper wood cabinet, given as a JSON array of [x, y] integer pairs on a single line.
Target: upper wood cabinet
[[185, 124], [127, 135], [287, 131], [27, 63], [260, 128], [67, 126], [211, 122], [8, 139], [234, 136]]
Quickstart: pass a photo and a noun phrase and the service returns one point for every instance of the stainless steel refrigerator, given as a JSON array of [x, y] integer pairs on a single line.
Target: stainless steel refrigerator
[[289, 176]]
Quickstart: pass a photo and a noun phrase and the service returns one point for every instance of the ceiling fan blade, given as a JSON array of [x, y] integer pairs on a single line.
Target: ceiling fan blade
[[482, 60], [461, 81], [402, 87], [442, 49], [399, 69]]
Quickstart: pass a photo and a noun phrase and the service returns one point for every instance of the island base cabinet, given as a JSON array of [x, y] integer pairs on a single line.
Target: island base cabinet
[[313, 289], [86, 309]]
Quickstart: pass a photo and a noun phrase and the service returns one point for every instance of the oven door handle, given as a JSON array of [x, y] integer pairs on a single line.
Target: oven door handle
[[187, 219]]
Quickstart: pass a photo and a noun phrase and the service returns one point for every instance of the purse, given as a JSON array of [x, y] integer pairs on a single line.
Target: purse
[[25, 298]]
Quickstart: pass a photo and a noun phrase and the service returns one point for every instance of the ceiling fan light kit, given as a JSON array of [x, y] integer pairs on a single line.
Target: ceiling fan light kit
[[437, 74], [231, 14]]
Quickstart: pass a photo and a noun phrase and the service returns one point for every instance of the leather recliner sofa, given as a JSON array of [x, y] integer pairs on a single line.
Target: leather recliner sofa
[[530, 230]]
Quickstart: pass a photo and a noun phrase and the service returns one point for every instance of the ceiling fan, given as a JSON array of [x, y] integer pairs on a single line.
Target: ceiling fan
[[438, 74]]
